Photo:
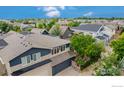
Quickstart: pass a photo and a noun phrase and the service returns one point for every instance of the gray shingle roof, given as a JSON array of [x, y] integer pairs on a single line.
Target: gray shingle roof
[[19, 43], [3, 43], [26, 32], [88, 27]]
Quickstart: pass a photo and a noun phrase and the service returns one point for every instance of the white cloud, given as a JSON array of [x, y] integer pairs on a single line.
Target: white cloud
[[53, 13], [49, 8], [88, 14], [62, 7]]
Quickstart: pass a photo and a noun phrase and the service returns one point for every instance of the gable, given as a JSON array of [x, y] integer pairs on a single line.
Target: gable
[[45, 32], [31, 51], [3, 43]]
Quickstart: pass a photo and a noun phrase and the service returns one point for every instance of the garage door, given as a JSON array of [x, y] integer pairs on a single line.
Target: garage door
[[59, 67]]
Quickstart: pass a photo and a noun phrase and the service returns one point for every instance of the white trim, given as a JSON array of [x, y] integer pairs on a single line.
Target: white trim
[[1, 61], [100, 28]]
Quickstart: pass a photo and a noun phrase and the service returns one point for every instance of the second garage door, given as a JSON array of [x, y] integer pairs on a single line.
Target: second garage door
[[59, 67]]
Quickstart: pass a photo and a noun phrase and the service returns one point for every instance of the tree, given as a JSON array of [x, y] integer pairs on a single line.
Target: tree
[[80, 42], [5, 27], [73, 24], [109, 67], [94, 50], [47, 25], [118, 46], [41, 25], [87, 49], [56, 31], [16, 28]]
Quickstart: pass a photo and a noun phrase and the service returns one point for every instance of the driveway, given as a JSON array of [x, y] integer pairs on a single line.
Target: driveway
[[71, 72], [68, 72], [44, 70]]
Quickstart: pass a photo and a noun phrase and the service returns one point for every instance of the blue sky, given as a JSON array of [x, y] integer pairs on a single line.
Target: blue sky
[[14, 12]]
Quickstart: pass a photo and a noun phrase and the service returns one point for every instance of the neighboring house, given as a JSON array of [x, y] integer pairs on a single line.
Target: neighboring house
[[26, 52], [35, 31], [98, 31], [104, 38], [40, 31], [62, 22], [91, 29], [65, 31], [24, 27]]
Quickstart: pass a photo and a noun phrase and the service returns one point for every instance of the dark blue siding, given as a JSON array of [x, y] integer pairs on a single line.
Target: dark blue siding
[[21, 71], [17, 60]]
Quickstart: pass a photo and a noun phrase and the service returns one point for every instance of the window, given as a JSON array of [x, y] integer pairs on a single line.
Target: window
[[63, 48], [28, 58], [67, 45], [52, 51], [57, 50], [24, 60], [36, 56]]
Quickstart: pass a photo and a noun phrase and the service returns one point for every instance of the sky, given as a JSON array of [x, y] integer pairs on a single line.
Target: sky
[[20, 12]]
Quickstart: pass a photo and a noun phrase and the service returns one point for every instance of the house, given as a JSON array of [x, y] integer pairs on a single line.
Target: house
[[35, 31], [24, 27], [65, 31], [40, 31], [22, 53], [91, 29], [98, 31], [63, 22], [104, 38]]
